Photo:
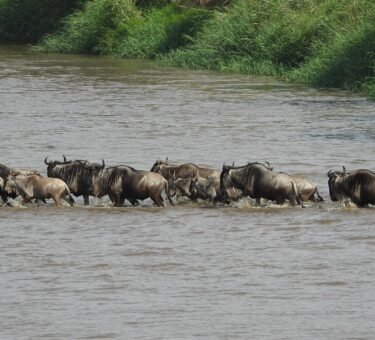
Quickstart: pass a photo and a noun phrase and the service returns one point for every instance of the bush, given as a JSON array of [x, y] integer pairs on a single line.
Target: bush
[[329, 43], [160, 30], [347, 62], [95, 29]]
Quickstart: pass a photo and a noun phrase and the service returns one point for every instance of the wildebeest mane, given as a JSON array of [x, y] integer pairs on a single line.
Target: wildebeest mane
[[72, 171], [116, 174], [359, 178], [241, 174]]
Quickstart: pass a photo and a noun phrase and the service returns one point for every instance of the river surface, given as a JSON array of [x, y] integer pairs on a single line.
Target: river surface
[[192, 271]]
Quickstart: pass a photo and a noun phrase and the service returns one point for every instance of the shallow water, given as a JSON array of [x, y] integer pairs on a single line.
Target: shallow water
[[190, 271]]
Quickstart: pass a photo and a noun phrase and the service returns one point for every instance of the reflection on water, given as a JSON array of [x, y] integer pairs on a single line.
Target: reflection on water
[[193, 271]]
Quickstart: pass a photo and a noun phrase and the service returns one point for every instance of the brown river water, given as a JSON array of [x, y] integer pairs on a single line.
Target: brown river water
[[192, 271]]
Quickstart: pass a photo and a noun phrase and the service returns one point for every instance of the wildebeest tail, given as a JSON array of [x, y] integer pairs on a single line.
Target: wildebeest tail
[[71, 199], [295, 191]]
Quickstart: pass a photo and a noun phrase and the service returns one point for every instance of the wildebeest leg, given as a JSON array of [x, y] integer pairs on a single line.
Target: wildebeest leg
[[133, 201], [168, 195], [86, 199], [158, 200], [116, 199], [4, 197], [57, 201], [112, 199], [25, 200], [69, 199], [257, 201], [297, 201], [320, 198], [121, 201]]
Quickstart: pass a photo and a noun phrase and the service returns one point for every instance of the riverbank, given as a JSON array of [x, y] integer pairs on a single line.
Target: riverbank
[[319, 43]]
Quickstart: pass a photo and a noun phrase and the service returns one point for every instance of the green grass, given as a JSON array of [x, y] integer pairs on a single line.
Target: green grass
[[322, 43], [159, 31], [95, 29]]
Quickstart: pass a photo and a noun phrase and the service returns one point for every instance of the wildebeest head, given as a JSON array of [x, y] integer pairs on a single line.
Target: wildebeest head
[[172, 183], [52, 164], [156, 165], [96, 166], [223, 178], [4, 171], [10, 187], [336, 191]]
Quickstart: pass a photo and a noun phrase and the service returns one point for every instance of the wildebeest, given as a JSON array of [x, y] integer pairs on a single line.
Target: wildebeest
[[185, 170], [76, 174], [357, 186], [139, 185], [180, 176], [1, 184], [5, 172], [124, 182], [38, 187], [206, 188], [307, 190], [179, 187], [108, 181], [258, 181]]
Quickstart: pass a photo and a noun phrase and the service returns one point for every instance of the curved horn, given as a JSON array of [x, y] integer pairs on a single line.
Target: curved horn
[[233, 164], [103, 164], [269, 166], [329, 173], [64, 158], [344, 170], [45, 161]]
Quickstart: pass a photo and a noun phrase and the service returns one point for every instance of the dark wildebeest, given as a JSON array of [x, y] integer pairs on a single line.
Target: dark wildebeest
[[2, 187], [357, 186], [258, 181], [76, 174], [139, 184], [38, 187], [4, 173]]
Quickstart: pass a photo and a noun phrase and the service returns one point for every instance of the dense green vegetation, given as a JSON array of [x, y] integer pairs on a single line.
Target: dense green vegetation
[[328, 43], [26, 21]]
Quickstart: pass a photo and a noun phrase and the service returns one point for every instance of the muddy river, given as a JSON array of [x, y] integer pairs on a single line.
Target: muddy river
[[193, 270]]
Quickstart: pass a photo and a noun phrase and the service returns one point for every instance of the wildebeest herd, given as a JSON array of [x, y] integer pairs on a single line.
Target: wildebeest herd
[[121, 182]]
